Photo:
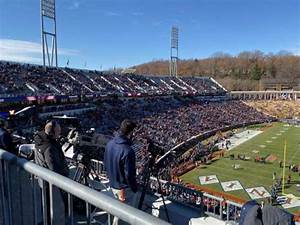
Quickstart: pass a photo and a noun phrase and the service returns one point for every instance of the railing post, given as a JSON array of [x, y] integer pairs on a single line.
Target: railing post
[[19, 181], [3, 199], [51, 196], [34, 199], [235, 213], [70, 210], [88, 213], [227, 211], [109, 217], [44, 203], [8, 192], [221, 210]]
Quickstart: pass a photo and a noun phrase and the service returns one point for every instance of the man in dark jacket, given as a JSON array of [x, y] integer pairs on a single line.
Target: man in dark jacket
[[48, 154], [119, 162], [6, 141]]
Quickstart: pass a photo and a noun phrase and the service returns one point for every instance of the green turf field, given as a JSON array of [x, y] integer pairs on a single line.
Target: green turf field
[[253, 174]]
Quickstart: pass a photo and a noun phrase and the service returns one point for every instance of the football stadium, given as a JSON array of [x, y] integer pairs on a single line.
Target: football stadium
[[200, 138]]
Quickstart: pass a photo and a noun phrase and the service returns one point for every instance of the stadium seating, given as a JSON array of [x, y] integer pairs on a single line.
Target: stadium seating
[[169, 121], [25, 79]]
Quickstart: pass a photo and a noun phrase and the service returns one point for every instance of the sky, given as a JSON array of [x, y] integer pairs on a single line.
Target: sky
[[101, 34]]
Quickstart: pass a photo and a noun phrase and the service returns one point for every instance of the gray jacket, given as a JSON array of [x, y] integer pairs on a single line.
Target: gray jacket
[[48, 154]]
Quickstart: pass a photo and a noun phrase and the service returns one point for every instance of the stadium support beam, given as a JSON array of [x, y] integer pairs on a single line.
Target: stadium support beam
[[174, 52], [48, 32]]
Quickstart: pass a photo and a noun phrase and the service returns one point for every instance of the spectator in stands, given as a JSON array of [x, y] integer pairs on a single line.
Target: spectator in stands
[[119, 162]]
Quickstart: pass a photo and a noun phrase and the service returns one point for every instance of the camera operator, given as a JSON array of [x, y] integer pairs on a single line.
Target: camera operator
[[48, 154], [6, 140], [119, 162], [48, 150]]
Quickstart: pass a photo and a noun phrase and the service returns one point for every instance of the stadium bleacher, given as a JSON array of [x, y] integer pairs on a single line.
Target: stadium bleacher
[[24, 79]]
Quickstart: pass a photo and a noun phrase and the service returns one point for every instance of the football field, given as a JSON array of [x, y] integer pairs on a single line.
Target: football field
[[248, 179]]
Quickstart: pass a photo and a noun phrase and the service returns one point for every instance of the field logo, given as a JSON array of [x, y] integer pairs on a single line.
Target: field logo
[[288, 201], [211, 179], [231, 185], [258, 192]]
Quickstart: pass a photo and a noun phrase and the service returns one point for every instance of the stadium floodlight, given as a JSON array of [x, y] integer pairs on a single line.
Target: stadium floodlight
[[174, 51], [48, 30]]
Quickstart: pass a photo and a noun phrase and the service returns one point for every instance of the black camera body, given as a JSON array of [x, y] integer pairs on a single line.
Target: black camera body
[[154, 149]]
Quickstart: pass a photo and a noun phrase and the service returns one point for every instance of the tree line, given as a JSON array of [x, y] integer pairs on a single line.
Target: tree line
[[240, 72]]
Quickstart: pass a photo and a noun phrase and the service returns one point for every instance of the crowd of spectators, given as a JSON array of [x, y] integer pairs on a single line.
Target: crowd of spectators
[[170, 121], [11, 82], [25, 79]]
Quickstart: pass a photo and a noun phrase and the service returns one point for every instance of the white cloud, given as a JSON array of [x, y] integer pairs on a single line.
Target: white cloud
[[26, 51], [157, 23], [74, 5], [137, 14], [109, 13]]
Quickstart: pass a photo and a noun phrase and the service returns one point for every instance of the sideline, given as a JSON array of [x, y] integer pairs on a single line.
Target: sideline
[[239, 138]]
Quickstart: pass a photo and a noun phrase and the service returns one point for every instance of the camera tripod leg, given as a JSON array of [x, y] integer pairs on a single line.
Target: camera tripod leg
[[145, 186], [78, 174]]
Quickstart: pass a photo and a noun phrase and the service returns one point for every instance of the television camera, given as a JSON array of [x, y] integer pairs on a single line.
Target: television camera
[[81, 147]]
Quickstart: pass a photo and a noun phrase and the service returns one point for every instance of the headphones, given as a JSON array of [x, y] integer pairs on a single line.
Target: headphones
[[53, 125]]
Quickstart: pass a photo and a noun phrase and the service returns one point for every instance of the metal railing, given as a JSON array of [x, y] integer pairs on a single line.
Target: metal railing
[[217, 207], [222, 209], [20, 201]]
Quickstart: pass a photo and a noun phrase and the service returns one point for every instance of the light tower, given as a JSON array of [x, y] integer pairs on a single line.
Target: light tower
[[48, 31], [174, 51]]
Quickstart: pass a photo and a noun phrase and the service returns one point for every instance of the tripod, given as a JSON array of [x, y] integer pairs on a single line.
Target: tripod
[[83, 172], [150, 168]]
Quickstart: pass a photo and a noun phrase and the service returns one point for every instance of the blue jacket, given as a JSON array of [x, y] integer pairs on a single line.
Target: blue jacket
[[119, 162]]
